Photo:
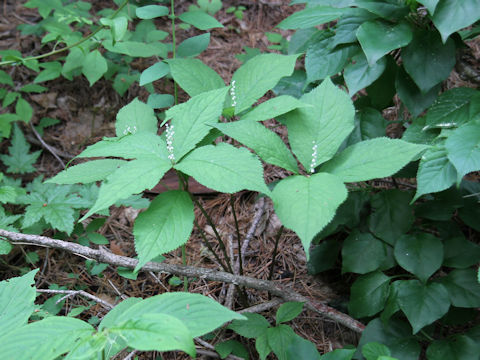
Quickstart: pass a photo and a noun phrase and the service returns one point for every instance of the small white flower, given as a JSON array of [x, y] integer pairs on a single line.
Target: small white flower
[[129, 130], [232, 94], [170, 132], [314, 157]]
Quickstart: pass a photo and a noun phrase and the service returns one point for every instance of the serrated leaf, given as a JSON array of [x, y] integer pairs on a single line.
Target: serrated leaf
[[463, 149], [310, 17], [151, 11], [392, 215], [268, 146], [463, 288], [253, 327], [458, 347], [94, 66], [161, 332], [194, 76], [451, 109], [435, 172], [258, 75], [288, 311], [153, 73], [326, 125], [88, 172], [191, 120], [19, 160], [422, 303], [370, 159], [45, 339], [131, 178], [359, 74], [279, 339], [224, 168], [193, 46], [453, 15], [51, 71], [421, 254], [16, 302], [136, 117], [460, 253], [378, 38], [200, 20], [427, 60], [199, 313], [274, 107], [368, 294], [307, 204], [362, 253], [164, 226]]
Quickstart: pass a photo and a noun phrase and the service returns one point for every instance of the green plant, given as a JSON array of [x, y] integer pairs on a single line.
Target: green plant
[[237, 11]]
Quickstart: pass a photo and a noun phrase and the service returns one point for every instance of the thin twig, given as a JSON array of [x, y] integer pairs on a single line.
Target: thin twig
[[46, 146], [274, 255], [262, 306], [131, 355], [104, 256], [71, 293], [239, 259], [253, 227]]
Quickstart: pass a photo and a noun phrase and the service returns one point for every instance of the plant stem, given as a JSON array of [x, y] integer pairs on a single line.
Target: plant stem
[[55, 52], [238, 235], [272, 265], [217, 235], [209, 247]]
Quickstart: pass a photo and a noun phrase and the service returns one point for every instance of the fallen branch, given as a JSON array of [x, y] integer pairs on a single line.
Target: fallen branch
[[70, 293], [107, 257]]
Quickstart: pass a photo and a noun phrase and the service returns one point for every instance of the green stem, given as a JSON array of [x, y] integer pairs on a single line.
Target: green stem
[[426, 335], [209, 247], [55, 52], [272, 265], [238, 235]]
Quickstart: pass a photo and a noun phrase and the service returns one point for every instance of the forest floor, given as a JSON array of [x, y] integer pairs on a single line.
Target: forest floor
[[88, 113]]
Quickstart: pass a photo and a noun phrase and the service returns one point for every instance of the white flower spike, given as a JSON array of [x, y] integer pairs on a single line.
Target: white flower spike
[[314, 157], [170, 133]]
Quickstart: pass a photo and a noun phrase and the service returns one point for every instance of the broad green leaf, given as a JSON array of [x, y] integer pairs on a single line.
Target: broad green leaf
[[460, 253], [463, 288], [369, 124], [94, 66], [323, 256], [374, 350], [153, 73], [307, 204], [164, 226], [224, 168], [427, 60], [347, 25], [16, 302], [392, 215], [131, 178], [288, 311], [322, 59], [151, 11], [411, 95], [118, 26], [368, 294], [5, 246], [199, 313], [390, 10], [396, 335], [160, 101], [200, 20], [457, 347], [274, 107], [6, 121], [23, 110], [359, 74], [253, 327], [5, 78], [51, 70], [19, 160], [302, 349], [422, 303], [463, 149], [161, 332], [33, 88], [74, 60], [451, 109], [382, 90], [10, 98], [430, 5], [123, 81], [87, 172], [378, 38], [435, 172], [279, 339], [233, 347], [45, 339], [128, 147], [339, 354], [326, 125], [193, 46], [137, 48], [310, 17], [362, 253], [191, 120], [421, 254], [89, 347], [262, 347], [453, 15], [370, 159], [136, 117], [268, 146], [258, 75], [194, 76]]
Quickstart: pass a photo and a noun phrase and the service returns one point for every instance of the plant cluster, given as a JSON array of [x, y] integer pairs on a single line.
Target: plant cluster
[[407, 246]]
